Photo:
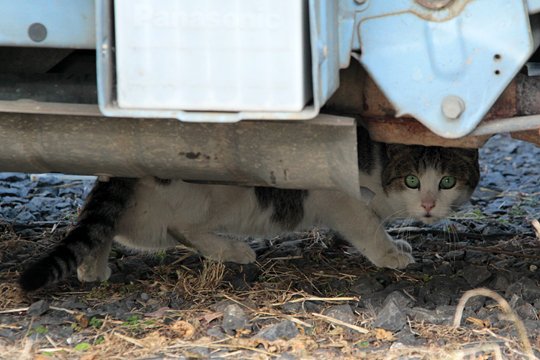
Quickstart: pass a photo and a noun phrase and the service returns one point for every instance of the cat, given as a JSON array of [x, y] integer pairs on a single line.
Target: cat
[[425, 183]]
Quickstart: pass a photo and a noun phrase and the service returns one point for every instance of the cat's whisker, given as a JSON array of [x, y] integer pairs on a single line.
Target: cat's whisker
[[390, 216]]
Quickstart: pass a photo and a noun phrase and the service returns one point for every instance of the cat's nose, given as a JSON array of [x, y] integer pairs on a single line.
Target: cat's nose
[[428, 205]]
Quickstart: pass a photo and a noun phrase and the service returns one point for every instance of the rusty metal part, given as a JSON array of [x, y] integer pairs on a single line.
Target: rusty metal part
[[532, 136], [359, 96], [411, 132], [434, 4], [316, 154]]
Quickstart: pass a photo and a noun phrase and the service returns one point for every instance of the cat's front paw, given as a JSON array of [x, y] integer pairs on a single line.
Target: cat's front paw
[[396, 257]]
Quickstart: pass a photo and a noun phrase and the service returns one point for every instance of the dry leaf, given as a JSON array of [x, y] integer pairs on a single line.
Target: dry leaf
[[384, 335], [82, 320], [86, 357], [209, 317], [478, 322], [183, 329], [158, 313], [41, 357]]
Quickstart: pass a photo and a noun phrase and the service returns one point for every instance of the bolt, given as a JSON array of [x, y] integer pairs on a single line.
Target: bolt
[[452, 107], [434, 4], [37, 32]]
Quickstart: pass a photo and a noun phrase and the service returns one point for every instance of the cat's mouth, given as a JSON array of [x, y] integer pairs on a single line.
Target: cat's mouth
[[429, 219]]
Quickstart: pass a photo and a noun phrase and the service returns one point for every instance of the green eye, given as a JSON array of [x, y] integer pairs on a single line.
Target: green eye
[[412, 182], [447, 182]]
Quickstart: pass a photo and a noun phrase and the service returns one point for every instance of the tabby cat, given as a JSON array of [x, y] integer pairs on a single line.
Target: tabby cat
[[425, 183]]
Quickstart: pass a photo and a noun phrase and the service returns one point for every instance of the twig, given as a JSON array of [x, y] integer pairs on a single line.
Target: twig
[[71, 312], [316, 298], [129, 340], [10, 311], [332, 320], [522, 332], [486, 348]]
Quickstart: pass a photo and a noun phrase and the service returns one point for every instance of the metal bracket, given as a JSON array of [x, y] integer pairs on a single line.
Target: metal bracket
[[443, 63]]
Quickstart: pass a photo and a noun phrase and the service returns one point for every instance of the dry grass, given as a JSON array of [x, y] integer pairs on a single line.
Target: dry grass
[[171, 333]]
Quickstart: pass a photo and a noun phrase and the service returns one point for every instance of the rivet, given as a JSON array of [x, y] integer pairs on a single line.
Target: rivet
[[37, 32], [452, 107]]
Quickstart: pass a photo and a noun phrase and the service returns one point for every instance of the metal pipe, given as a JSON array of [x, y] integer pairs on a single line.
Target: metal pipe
[[319, 153], [518, 123]]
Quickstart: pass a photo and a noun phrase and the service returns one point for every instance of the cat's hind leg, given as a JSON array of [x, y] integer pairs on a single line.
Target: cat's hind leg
[[94, 266]]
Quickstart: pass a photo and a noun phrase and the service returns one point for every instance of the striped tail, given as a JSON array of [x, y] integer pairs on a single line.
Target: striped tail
[[95, 227]]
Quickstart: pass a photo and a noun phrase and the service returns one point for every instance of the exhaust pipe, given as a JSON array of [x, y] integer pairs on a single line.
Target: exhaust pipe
[[314, 154]]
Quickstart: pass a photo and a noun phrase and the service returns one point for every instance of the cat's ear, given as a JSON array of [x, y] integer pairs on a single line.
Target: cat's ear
[[394, 150]]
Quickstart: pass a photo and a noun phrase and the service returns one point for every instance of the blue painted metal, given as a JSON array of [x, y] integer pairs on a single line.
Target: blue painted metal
[[534, 6], [68, 23], [419, 57]]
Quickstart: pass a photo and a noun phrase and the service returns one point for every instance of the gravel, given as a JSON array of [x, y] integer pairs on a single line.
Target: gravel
[[285, 329], [234, 318], [489, 243]]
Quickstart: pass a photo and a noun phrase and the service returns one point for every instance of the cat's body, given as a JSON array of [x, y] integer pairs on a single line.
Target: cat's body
[[151, 214]]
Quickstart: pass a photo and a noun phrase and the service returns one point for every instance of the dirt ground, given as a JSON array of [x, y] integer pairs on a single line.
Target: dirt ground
[[309, 296]]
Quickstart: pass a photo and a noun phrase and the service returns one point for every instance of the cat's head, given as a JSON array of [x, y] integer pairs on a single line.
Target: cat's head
[[427, 183]]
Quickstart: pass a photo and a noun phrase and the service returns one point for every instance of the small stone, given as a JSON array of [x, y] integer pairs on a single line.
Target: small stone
[[527, 311], [514, 289], [530, 289], [366, 285], [6, 200], [291, 308], [62, 205], [421, 314], [287, 356], [38, 308], [144, 297], [216, 332], [401, 300], [311, 306], [341, 312], [454, 255], [390, 317], [7, 191], [25, 217], [234, 318], [13, 177], [283, 330], [475, 275], [445, 268], [501, 282]]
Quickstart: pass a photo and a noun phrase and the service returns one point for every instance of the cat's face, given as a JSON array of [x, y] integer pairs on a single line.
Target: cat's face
[[427, 183]]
